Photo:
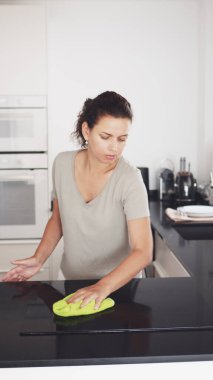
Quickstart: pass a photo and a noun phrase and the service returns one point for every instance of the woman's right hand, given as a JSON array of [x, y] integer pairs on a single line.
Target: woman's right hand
[[23, 270]]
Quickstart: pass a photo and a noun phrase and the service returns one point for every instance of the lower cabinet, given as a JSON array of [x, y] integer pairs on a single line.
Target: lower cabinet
[[21, 249], [16, 249], [55, 260], [165, 263]]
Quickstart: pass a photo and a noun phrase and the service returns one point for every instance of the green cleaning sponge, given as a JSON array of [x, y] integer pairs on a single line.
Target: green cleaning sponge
[[64, 309]]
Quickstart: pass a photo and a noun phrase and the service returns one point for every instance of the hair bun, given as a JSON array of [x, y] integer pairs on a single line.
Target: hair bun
[[87, 104]]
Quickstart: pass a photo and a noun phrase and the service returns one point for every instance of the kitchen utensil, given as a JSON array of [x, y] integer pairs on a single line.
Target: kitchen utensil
[[185, 183], [166, 183]]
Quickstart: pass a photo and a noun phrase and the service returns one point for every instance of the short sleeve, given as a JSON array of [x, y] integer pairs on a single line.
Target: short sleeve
[[135, 198]]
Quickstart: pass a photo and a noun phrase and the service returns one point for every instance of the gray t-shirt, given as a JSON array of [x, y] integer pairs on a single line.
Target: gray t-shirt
[[95, 233]]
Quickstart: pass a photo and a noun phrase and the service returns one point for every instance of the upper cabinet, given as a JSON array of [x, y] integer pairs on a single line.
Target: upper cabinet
[[23, 63]]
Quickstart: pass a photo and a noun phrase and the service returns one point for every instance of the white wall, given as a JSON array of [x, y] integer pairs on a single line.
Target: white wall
[[148, 51], [205, 151], [157, 53]]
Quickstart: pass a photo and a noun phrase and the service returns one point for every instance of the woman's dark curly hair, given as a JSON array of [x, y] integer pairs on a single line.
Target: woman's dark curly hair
[[108, 103]]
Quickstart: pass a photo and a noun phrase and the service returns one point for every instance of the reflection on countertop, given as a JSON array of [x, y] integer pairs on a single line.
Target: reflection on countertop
[[153, 320]]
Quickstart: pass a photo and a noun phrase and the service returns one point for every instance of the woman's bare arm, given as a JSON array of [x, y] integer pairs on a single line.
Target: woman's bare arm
[[51, 236], [140, 237], [26, 268]]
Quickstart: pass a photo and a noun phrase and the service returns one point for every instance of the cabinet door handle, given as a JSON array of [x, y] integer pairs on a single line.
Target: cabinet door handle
[[25, 178], [7, 270]]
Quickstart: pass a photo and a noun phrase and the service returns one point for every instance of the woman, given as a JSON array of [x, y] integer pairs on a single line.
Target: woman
[[100, 206]]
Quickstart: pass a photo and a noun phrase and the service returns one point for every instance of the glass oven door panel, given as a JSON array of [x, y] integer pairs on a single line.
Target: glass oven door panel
[[17, 200], [23, 203], [23, 130]]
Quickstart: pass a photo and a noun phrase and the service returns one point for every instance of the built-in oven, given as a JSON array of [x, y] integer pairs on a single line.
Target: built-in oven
[[23, 124], [24, 208], [24, 202]]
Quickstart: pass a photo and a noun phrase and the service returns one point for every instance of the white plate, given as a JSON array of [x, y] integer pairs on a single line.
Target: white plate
[[198, 211]]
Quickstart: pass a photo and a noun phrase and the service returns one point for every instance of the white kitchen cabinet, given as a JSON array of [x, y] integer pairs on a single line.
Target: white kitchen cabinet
[[21, 249], [14, 249], [166, 263], [23, 63], [55, 260]]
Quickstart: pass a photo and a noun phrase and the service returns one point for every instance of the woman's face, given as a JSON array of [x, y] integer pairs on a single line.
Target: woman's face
[[107, 139]]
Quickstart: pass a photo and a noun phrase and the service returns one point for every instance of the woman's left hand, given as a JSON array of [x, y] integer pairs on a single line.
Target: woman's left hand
[[97, 292]]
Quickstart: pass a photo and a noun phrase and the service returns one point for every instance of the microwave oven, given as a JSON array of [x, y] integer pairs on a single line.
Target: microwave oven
[[23, 124]]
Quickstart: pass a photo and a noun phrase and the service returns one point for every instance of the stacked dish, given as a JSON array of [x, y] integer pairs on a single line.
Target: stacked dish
[[191, 214], [196, 211]]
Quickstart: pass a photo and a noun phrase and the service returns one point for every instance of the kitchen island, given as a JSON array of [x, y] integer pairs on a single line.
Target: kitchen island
[[154, 320]]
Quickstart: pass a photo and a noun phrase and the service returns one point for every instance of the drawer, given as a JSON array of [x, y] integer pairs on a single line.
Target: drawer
[[14, 250], [43, 275]]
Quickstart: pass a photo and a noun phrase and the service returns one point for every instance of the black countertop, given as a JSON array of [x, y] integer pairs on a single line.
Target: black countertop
[[191, 244], [153, 320]]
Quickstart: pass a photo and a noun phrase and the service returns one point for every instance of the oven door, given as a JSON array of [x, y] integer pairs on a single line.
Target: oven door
[[23, 203], [23, 129]]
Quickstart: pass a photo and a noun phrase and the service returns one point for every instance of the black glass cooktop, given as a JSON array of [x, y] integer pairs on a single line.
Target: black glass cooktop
[[142, 305], [150, 319]]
